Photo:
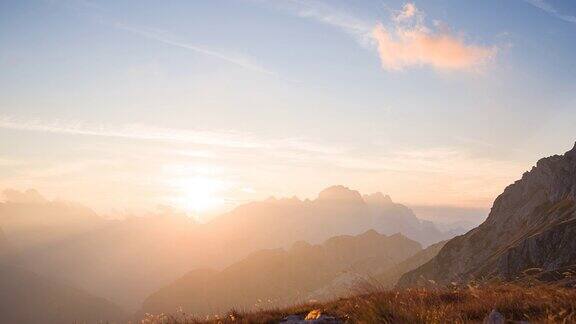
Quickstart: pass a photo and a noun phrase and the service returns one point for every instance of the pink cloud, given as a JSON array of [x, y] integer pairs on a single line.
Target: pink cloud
[[416, 45], [407, 12]]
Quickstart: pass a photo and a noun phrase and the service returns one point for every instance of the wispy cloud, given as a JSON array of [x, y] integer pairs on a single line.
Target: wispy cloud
[[168, 39], [92, 10], [229, 139], [547, 7], [410, 174], [409, 42], [320, 12]]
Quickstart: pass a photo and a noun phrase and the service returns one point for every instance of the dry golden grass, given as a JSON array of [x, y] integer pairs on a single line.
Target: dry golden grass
[[535, 303]]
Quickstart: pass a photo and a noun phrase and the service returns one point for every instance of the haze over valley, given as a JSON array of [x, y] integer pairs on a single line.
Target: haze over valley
[[126, 260]]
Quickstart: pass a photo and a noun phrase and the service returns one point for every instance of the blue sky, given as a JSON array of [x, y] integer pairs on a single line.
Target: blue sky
[[129, 104]]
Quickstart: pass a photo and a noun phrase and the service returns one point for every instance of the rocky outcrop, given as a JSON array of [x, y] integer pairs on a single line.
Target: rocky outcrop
[[531, 224]]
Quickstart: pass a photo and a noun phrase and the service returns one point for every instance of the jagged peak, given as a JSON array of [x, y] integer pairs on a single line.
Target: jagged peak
[[377, 198], [398, 235], [371, 234], [553, 176], [340, 193], [572, 152], [27, 196], [283, 200]]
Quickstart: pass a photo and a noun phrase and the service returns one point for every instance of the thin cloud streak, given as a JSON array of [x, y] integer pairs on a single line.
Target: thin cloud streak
[[229, 139], [317, 11], [165, 38], [93, 11], [547, 7], [400, 169]]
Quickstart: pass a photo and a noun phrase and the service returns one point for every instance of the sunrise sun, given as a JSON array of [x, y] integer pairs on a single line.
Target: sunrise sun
[[199, 194]]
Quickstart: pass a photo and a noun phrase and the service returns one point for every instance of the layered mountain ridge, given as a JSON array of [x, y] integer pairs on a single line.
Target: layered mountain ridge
[[337, 210], [276, 277], [111, 258], [28, 298]]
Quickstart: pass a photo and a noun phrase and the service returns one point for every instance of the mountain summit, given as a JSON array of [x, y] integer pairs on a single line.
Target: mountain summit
[[532, 224], [377, 199], [337, 210], [340, 194]]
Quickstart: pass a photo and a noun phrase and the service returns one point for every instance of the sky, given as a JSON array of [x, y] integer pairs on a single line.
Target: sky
[[203, 105]]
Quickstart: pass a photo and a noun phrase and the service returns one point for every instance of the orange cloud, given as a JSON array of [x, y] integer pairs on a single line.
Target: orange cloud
[[416, 45]]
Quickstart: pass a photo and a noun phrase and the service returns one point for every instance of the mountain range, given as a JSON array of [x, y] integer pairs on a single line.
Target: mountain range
[[279, 277], [126, 260], [57, 256]]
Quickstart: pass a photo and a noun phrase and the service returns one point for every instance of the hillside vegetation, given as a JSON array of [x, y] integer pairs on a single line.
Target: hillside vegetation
[[539, 303]]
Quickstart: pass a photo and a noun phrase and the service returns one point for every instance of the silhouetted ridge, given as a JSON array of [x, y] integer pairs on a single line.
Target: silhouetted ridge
[[378, 199], [340, 194], [282, 277], [371, 234]]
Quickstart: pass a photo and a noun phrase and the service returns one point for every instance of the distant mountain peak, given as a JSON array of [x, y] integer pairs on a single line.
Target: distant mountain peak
[[340, 194], [377, 198], [29, 196], [371, 233]]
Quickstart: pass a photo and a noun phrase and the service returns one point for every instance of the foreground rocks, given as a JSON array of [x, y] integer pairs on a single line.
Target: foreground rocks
[[314, 317]]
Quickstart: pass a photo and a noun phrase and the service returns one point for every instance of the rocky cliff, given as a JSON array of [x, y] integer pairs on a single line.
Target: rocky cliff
[[532, 224]]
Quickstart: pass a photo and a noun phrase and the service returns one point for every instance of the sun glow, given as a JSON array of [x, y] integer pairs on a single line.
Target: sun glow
[[199, 194]]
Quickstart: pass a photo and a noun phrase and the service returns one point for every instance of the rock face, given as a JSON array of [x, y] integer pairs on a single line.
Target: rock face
[[532, 224]]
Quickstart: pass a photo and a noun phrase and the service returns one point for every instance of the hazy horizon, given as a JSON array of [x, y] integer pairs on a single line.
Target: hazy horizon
[[127, 106], [444, 217]]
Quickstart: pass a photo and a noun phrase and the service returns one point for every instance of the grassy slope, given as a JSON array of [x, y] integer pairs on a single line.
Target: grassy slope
[[535, 303]]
